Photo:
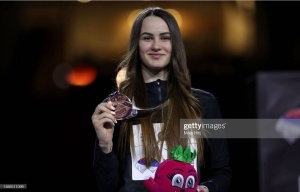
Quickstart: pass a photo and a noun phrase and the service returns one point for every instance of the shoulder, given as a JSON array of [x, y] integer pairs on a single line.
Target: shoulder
[[203, 96], [209, 103]]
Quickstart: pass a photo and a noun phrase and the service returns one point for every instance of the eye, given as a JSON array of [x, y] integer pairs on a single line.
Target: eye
[[165, 37], [146, 38], [190, 182], [177, 180]]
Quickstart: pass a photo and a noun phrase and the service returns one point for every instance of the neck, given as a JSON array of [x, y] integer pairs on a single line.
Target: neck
[[153, 76]]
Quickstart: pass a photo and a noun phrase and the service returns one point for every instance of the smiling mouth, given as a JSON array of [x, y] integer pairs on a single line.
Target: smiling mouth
[[156, 56]]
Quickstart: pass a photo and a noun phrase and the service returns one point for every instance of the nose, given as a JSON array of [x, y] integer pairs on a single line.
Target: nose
[[156, 44]]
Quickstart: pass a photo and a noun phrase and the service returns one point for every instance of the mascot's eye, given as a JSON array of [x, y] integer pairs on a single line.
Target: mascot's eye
[[190, 182], [177, 180]]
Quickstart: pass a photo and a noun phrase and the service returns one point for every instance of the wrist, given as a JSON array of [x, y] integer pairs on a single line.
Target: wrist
[[202, 188], [106, 148], [205, 188]]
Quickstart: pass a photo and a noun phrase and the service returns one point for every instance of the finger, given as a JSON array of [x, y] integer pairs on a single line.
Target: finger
[[109, 115], [100, 108], [111, 105], [98, 117], [104, 123], [107, 123], [105, 117], [104, 107]]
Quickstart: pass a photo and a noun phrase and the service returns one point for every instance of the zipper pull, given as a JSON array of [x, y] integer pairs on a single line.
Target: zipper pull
[[158, 82]]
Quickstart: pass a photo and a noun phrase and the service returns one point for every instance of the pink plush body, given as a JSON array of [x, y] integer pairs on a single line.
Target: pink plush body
[[172, 175]]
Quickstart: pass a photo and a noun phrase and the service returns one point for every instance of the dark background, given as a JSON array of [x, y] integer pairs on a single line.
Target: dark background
[[47, 143]]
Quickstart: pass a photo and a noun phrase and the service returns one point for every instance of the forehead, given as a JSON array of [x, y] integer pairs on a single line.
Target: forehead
[[153, 24]]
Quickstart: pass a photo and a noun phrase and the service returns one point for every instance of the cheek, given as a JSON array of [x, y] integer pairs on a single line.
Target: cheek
[[168, 48], [141, 53], [143, 47]]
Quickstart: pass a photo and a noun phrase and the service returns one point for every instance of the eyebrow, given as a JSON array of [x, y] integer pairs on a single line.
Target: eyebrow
[[191, 171], [164, 33], [178, 170]]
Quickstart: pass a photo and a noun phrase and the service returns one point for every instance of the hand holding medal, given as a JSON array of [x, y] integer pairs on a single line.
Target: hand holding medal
[[125, 109]]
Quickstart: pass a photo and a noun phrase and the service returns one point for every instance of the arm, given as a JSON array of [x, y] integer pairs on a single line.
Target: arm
[[105, 167], [216, 172], [105, 163]]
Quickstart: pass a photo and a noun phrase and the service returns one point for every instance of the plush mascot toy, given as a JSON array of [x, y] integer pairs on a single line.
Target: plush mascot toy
[[176, 174]]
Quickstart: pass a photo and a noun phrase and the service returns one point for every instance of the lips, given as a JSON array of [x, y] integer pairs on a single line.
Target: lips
[[156, 56]]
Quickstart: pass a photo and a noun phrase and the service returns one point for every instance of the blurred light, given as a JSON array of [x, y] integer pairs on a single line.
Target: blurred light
[[81, 75], [132, 17], [59, 74], [84, 1], [120, 76], [239, 31], [248, 6], [177, 15]]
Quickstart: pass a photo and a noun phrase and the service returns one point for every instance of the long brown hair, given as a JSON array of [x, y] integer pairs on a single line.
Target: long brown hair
[[180, 102]]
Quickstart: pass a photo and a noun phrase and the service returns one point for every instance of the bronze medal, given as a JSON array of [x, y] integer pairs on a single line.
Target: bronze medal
[[122, 104], [125, 108]]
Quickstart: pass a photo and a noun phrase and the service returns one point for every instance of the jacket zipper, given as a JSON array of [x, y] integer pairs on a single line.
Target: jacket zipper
[[159, 90]]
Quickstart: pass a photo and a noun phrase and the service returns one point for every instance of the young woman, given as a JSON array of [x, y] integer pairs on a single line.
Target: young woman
[[128, 151]]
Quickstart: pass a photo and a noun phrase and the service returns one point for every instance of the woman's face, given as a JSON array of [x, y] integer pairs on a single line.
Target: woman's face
[[154, 45]]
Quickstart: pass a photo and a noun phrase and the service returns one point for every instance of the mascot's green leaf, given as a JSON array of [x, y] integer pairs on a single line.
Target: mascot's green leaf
[[177, 153]]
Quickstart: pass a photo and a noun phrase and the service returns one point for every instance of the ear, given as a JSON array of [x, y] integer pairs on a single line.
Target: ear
[[150, 184]]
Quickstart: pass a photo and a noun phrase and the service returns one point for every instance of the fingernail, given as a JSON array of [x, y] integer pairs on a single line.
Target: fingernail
[[112, 112], [111, 105]]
